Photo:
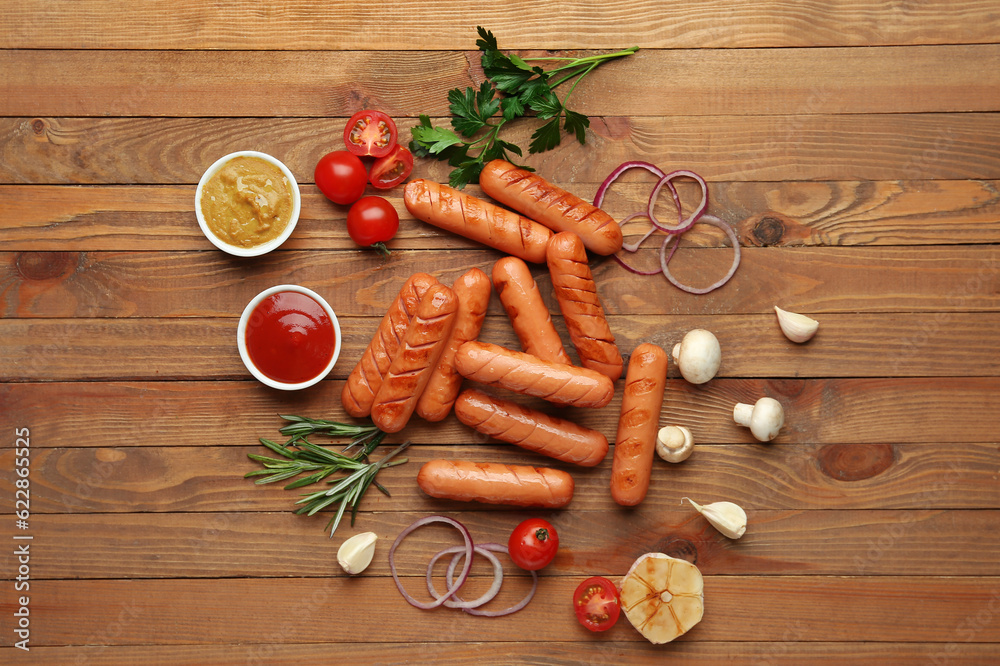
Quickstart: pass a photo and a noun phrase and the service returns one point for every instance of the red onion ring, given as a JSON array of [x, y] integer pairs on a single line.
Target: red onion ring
[[438, 600], [496, 548], [487, 597], [687, 223], [714, 221], [622, 168]]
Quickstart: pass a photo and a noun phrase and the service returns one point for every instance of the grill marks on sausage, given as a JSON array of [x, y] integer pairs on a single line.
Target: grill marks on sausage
[[529, 375], [418, 354], [576, 293], [536, 198], [496, 483], [366, 378], [476, 219]]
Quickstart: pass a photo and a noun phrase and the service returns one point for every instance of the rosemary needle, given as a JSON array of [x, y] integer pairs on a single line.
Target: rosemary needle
[[300, 456]]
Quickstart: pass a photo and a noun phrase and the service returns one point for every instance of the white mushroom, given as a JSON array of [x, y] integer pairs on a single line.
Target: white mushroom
[[698, 356], [674, 443], [764, 418]]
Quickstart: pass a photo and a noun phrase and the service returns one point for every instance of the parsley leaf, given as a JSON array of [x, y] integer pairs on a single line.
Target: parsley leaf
[[514, 88]]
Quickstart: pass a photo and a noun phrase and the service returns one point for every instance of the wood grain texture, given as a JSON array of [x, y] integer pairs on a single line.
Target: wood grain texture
[[876, 345], [70, 218], [242, 544], [897, 608], [520, 24], [943, 282], [941, 411], [922, 146], [325, 84], [562, 653], [195, 478]]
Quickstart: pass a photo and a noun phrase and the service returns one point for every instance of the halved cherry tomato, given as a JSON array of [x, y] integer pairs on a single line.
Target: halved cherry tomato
[[596, 603], [533, 544], [371, 221], [341, 177], [392, 169], [370, 133]]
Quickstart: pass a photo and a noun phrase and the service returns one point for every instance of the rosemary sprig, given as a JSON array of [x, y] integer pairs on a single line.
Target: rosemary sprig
[[299, 456]]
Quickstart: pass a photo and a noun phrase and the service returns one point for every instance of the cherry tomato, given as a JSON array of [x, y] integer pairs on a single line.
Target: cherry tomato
[[596, 603], [341, 177], [392, 169], [370, 133], [372, 221], [533, 544]]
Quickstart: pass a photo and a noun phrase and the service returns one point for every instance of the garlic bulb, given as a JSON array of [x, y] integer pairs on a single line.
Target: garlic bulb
[[356, 553], [726, 517], [796, 327]]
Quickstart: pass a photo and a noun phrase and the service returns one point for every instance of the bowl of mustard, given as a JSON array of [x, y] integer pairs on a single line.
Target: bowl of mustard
[[247, 203]]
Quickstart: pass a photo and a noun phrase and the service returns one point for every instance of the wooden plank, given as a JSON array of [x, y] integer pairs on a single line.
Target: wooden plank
[[265, 545], [197, 478], [864, 345], [927, 146], [670, 82], [68, 219], [942, 281], [556, 653], [846, 412], [561, 24], [895, 608]]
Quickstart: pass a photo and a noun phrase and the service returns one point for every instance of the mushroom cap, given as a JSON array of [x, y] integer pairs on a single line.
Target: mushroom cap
[[767, 419], [698, 356], [674, 443]]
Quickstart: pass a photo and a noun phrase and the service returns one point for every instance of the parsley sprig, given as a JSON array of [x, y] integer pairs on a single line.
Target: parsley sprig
[[513, 89]]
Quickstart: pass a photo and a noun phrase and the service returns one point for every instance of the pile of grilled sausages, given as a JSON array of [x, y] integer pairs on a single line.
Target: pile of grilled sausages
[[426, 344]]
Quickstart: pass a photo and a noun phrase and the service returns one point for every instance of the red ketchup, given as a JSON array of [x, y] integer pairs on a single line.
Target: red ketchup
[[290, 337]]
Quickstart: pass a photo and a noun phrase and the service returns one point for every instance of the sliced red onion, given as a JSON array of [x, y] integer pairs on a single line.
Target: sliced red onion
[[707, 219], [438, 600], [684, 224], [633, 247], [487, 597], [622, 168], [496, 548]]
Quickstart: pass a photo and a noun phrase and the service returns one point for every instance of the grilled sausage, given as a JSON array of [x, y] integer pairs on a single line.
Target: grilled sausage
[[527, 312], [473, 292], [496, 483], [366, 377], [532, 195], [640, 417], [415, 360], [474, 218], [531, 429], [529, 375], [581, 308]]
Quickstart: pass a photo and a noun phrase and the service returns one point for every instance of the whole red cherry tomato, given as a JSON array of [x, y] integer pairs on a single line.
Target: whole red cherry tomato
[[370, 133], [341, 176], [596, 603], [372, 221], [533, 544], [392, 169]]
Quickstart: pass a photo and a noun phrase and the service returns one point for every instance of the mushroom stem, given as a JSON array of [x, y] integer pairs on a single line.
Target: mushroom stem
[[742, 413]]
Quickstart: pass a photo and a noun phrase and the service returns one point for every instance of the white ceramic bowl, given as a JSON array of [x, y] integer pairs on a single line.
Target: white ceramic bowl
[[263, 248], [242, 330]]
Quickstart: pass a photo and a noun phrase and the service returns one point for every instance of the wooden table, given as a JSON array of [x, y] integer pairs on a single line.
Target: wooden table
[[854, 148]]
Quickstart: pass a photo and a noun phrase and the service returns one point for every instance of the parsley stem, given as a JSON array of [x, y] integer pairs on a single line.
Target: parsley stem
[[576, 62]]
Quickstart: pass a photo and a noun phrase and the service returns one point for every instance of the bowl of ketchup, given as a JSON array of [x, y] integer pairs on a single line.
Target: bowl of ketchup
[[288, 337]]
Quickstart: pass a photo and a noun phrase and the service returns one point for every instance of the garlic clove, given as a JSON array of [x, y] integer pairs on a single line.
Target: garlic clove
[[356, 553], [728, 518], [674, 443], [796, 327]]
